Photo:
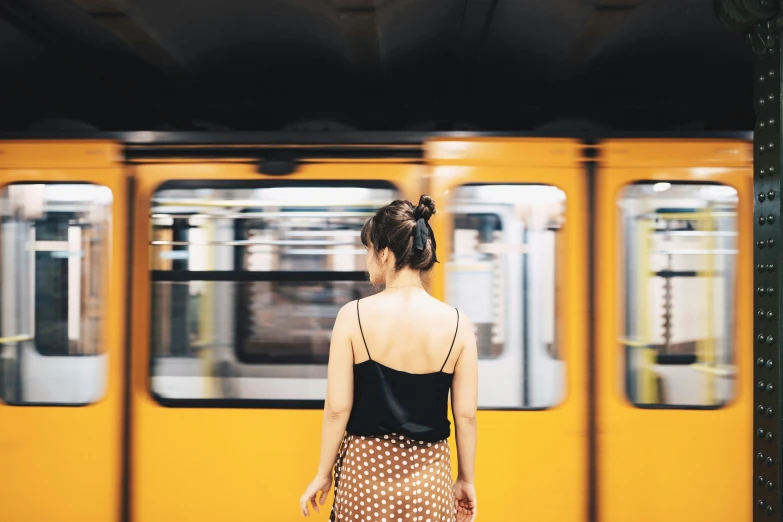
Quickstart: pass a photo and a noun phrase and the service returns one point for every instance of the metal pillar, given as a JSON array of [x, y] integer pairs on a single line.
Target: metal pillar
[[761, 21]]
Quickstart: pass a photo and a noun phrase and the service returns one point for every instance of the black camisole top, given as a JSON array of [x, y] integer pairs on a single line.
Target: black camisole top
[[390, 401]]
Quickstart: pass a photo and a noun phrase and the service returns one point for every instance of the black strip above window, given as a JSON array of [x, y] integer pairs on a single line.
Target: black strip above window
[[412, 153]]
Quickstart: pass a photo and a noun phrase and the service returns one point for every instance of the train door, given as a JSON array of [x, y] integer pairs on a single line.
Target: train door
[[511, 232], [62, 282], [674, 352], [238, 277]]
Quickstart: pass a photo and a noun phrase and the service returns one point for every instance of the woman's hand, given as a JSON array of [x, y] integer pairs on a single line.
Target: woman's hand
[[320, 483], [465, 495]]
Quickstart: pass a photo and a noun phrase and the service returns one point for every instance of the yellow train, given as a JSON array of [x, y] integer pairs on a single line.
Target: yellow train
[[167, 306]]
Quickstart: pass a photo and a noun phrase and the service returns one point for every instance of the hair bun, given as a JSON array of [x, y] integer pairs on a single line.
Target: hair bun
[[425, 209]]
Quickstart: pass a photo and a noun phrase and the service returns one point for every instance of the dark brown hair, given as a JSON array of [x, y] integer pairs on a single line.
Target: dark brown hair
[[393, 227]]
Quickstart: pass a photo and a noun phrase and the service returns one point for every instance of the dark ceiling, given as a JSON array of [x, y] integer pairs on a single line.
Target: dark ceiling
[[371, 64]]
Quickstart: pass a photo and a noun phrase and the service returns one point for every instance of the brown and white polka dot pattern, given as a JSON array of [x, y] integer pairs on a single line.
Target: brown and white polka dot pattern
[[393, 479]]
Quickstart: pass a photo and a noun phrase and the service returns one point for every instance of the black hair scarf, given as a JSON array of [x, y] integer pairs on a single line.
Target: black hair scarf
[[420, 234]]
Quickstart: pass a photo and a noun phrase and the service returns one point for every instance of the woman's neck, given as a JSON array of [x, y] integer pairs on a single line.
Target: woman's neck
[[404, 278]]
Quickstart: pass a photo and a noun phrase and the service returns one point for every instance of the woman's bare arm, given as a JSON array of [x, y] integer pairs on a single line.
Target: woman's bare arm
[[464, 402], [337, 409], [339, 389]]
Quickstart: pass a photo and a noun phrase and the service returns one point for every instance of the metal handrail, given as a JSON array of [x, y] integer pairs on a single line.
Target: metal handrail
[[720, 370], [255, 203], [249, 242], [696, 252], [15, 339], [261, 215]]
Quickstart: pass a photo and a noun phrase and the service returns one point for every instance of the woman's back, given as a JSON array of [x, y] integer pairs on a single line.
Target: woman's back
[[405, 390], [406, 329]]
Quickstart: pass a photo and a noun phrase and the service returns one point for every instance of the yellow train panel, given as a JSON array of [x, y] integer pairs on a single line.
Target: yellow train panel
[[658, 460], [532, 460], [60, 154], [61, 455]]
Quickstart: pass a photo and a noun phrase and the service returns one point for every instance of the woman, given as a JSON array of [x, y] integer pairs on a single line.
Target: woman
[[393, 359]]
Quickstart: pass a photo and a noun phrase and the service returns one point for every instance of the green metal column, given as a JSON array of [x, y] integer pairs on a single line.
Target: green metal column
[[761, 21]]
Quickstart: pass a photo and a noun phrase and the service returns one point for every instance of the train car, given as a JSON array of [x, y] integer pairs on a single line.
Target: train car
[[166, 316]]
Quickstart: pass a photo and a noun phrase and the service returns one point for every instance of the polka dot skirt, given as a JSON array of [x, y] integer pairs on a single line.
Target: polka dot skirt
[[393, 479]]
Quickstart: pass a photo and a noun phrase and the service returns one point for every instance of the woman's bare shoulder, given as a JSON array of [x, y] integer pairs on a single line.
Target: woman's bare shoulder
[[425, 304], [347, 313]]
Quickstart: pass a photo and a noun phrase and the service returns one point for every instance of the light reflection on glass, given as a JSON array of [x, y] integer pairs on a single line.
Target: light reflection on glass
[[677, 244], [503, 273], [54, 241]]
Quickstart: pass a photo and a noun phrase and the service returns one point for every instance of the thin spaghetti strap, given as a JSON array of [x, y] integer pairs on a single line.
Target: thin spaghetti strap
[[452, 342], [360, 329]]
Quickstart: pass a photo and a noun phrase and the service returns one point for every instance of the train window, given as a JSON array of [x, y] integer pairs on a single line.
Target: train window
[[678, 241], [503, 272], [247, 282], [54, 241]]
